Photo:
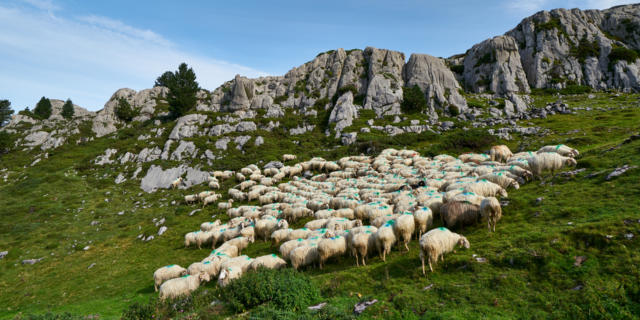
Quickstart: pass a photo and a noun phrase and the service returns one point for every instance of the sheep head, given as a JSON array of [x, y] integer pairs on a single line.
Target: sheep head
[[223, 274], [503, 193], [571, 162], [203, 276], [463, 242], [515, 185], [183, 273], [357, 223]]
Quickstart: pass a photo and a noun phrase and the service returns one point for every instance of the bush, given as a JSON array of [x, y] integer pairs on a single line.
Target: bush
[[43, 109], [138, 311], [51, 316], [5, 112], [281, 289], [281, 99], [477, 140], [457, 68], [454, 111], [6, 142], [183, 88], [124, 111], [585, 49], [67, 109], [621, 53], [413, 100]]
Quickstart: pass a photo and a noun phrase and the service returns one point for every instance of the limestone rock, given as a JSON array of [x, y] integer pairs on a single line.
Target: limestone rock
[[187, 126], [349, 138], [259, 141], [246, 126], [184, 149], [221, 144], [343, 113], [240, 141], [157, 178], [382, 98], [106, 158]]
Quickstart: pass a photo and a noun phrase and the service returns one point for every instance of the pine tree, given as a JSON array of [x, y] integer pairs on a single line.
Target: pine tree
[[43, 109], [124, 111], [183, 88], [67, 109], [5, 112]]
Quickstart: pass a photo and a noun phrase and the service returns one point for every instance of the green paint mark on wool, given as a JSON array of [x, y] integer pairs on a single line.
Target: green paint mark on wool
[[206, 262], [443, 229], [185, 276], [169, 266]]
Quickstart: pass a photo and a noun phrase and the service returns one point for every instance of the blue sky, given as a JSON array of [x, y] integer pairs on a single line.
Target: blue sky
[[86, 50]]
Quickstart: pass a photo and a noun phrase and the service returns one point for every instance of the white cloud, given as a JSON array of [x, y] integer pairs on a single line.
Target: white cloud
[[602, 4], [46, 5], [532, 6], [526, 5], [89, 58]]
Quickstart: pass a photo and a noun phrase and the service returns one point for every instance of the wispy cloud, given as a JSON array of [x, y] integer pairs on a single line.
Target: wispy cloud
[[526, 5], [88, 58], [532, 6]]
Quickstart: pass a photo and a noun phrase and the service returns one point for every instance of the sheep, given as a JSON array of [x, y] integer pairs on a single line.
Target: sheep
[[331, 247], [403, 228], [228, 274], [249, 232], [385, 239], [270, 261], [190, 238], [423, 218], [208, 226], [214, 185], [500, 153], [289, 157], [279, 236], [240, 242], [286, 247], [485, 188], [560, 149], [298, 234], [264, 227], [225, 205], [344, 224], [168, 272], [206, 266], [225, 250], [231, 233], [241, 262], [304, 255], [549, 161], [459, 214], [316, 224], [204, 194], [501, 179], [189, 199], [491, 210], [435, 243], [240, 177], [210, 199], [204, 238], [380, 221], [176, 183], [362, 244], [182, 286]]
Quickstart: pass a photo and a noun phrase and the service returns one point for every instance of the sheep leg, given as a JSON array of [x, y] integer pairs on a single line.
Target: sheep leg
[[406, 245], [430, 266], [422, 260], [364, 263], [357, 260]]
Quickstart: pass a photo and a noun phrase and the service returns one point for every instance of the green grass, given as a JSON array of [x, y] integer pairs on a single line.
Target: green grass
[[529, 271]]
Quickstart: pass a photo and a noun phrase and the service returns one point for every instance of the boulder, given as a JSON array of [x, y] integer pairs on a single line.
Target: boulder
[[349, 138], [343, 113], [382, 98], [221, 144], [184, 149], [187, 126]]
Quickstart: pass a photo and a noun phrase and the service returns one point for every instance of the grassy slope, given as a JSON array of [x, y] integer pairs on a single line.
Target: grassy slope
[[529, 272]]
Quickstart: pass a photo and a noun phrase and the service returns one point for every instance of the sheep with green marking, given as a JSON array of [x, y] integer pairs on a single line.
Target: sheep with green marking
[[168, 272], [423, 218], [549, 161], [437, 242], [385, 239], [403, 228], [362, 244], [182, 286], [560, 149], [269, 261], [500, 153], [333, 246], [491, 211], [304, 255]]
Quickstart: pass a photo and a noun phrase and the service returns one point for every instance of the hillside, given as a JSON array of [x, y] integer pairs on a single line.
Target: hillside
[[88, 196]]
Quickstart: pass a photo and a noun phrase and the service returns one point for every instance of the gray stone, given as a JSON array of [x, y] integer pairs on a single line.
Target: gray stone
[[274, 164], [382, 98], [246, 126], [301, 130], [240, 141], [162, 230], [157, 178], [184, 149], [259, 141], [274, 111], [106, 158], [221, 129], [120, 178], [349, 138], [221, 144], [31, 261], [343, 113], [187, 126], [619, 171], [3, 254]]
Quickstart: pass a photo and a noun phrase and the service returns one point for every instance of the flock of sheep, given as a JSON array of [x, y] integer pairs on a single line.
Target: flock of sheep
[[360, 206]]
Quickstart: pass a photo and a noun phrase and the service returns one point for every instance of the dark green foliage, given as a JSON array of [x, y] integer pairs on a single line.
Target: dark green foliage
[[5, 112], [619, 53], [488, 57], [457, 68], [553, 24], [413, 100], [585, 49], [327, 313], [463, 141], [26, 112], [51, 316], [139, 311], [343, 90], [183, 88], [124, 111], [570, 89], [280, 99], [6, 141], [67, 109], [454, 111], [320, 103], [43, 109], [284, 289]]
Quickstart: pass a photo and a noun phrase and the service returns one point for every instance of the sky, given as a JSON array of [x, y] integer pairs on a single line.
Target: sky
[[86, 50]]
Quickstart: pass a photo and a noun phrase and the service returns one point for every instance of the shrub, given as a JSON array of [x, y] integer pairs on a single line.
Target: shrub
[[183, 88], [139, 311], [457, 68], [282, 289], [485, 59], [124, 111], [477, 140], [413, 100], [454, 111], [43, 109], [6, 142], [585, 49], [67, 110], [281, 99], [621, 53], [5, 112]]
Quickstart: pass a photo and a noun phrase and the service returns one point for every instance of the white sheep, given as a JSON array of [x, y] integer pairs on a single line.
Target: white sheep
[[270, 261], [225, 205], [500, 153], [485, 188], [214, 185], [423, 218], [190, 238], [403, 228], [206, 266], [316, 224], [549, 161], [331, 247], [502, 179], [210, 199], [385, 239], [176, 183], [280, 235], [304, 255], [491, 210], [168, 272], [289, 157], [191, 198], [288, 246], [362, 244], [239, 242], [264, 227], [241, 262], [208, 226], [560, 149], [435, 243], [182, 286]]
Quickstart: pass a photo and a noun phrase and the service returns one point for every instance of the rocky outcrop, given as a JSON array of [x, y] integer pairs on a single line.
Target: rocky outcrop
[[436, 80], [105, 120], [157, 178], [343, 113], [494, 66], [187, 126]]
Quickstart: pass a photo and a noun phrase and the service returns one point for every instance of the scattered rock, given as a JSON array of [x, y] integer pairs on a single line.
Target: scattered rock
[[3, 254], [317, 306], [628, 236], [259, 141], [162, 230], [619, 171], [86, 248], [579, 260], [361, 306], [221, 144], [349, 138], [429, 287], [94, 223], [91, 265], [120, 213], [274, 164], [194, 212], [539, 200], [120, 178], [577, 288], [572, 173], [31, 261]]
